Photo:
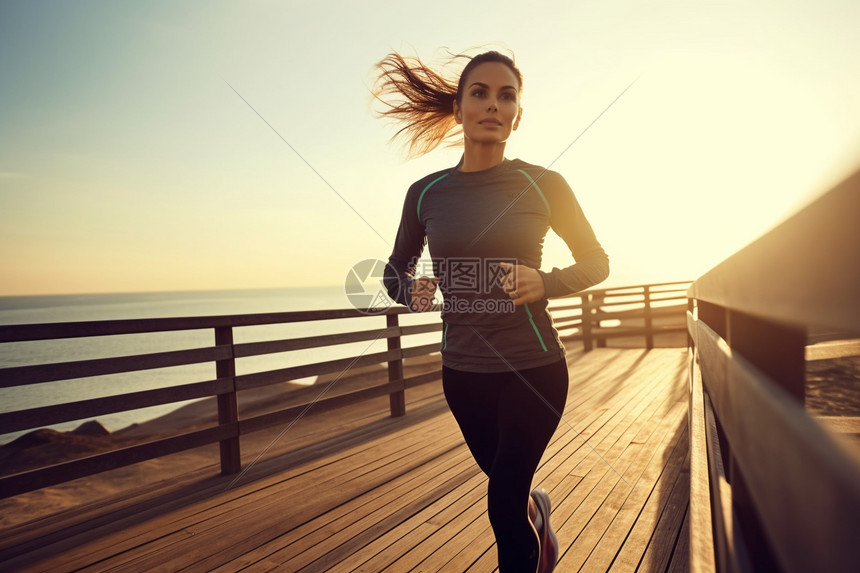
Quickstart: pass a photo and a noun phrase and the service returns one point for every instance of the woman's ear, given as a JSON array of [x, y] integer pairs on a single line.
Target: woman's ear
[[517, 121], [458, 116]]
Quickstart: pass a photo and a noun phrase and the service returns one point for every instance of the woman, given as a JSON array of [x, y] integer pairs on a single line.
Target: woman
[[484, 221]]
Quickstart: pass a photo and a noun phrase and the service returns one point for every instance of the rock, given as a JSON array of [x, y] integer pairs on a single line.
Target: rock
[[91, 428], [33, 439]]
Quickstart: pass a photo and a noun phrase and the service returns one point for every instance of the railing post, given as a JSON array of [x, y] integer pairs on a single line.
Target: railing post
[[228, 410], [649, 333], [777, 350], [598, 299], [587, 343], [395, 370], [691, 308]]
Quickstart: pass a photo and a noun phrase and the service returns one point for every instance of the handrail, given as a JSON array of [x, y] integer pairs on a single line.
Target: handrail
[[581, 317], [770, 488], [633, 307], [224, 387]]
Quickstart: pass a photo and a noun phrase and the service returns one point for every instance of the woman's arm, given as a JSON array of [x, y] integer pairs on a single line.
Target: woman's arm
[[408, 246], [568, 221]]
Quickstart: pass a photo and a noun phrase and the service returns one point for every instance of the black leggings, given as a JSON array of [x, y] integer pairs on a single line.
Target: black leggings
[[507, 419]]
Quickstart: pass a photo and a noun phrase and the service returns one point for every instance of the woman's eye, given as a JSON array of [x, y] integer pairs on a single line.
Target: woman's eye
[[478, 93]]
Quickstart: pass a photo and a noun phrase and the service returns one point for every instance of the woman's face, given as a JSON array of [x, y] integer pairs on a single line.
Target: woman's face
[[489, 108]]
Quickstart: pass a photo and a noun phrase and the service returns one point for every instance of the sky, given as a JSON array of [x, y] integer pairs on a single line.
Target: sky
[[195, 145]]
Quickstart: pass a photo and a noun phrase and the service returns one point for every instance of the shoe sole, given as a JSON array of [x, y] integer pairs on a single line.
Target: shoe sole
[[543, 504]]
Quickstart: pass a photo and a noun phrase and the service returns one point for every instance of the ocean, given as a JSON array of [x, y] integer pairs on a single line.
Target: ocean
[[73, 308]]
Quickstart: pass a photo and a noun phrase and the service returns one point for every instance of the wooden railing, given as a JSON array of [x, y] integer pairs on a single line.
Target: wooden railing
[[591, 317], [771, 490], [641, 311], [225, 386]]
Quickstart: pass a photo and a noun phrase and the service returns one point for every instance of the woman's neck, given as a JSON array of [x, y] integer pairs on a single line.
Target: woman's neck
[[478, 157]]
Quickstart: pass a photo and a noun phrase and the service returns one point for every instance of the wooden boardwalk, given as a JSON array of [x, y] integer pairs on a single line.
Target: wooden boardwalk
[[382, 494]]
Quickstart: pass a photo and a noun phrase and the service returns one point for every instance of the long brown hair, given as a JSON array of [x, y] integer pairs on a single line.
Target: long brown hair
[[423, 100]]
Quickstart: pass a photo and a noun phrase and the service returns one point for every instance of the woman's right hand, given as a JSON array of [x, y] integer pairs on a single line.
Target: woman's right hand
[[423, 291]]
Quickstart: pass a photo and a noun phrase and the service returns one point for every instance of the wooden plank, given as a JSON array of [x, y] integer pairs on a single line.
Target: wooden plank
[[57, 413], [413, 496], [575, 442], [28, 481], [71, 528], [246, 349], [833, 349], [258, 379], [474, 554], [702, 559], [440, 548], [247, 523], [595, 511], [343, 436], [680, 562], [480, 553], [673, 310], [338, 540], [441, 537], [665, 538], [421, 379], [24, 375], [50, 331], [134, 546], [400, 540], [818, 529], [343, 528], [582, 438], [840, 424], [415, 556], [730, 545], [630, 502], [155, 529], [326, 550], [468, 525], [661, 510], [286, 415], [414, 351]]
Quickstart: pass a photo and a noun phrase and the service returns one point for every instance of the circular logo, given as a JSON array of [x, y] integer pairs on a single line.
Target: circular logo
[[364, 288]]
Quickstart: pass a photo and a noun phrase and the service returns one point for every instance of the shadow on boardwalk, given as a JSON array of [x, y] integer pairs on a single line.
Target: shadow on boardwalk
[[359, 491]]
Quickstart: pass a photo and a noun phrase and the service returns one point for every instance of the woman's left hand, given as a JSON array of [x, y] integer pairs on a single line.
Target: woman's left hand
[[523, 284]]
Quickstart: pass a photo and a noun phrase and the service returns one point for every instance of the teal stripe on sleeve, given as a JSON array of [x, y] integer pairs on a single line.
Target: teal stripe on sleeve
[[429, 185], [535, 185]]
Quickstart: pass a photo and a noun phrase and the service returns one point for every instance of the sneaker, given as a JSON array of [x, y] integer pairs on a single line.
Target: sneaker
[[548, 541]]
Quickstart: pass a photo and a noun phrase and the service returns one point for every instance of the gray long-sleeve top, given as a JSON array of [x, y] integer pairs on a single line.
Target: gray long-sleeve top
[[471, 221]]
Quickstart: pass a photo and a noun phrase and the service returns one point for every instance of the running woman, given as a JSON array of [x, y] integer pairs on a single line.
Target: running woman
[[484, 221]]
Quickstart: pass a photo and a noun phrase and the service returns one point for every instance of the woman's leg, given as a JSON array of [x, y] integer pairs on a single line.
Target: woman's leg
[[507, 420], [530, 406], [473, 398]]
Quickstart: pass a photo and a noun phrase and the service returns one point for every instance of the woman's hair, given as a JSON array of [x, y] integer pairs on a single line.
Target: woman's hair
[[423, 100]]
